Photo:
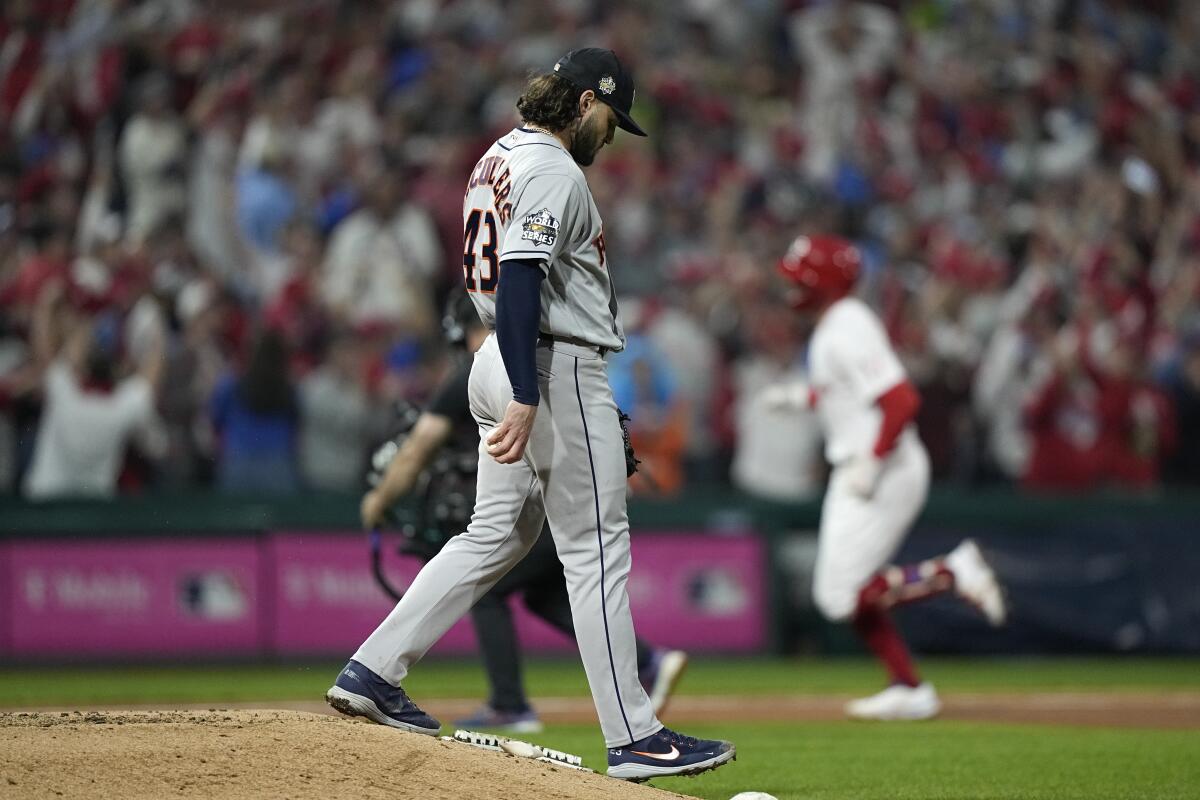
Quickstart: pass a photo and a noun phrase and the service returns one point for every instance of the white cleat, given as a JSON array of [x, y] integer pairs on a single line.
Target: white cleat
[[897, 702], [670, 670], [975, 581]]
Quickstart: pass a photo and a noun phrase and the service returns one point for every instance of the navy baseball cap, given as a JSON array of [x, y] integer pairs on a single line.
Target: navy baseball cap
[[599, 70]]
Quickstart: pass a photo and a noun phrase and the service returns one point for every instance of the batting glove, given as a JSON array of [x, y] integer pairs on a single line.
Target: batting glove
[[862, 475]]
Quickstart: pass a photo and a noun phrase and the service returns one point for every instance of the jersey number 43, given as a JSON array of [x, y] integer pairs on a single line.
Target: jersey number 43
[[480, 272]]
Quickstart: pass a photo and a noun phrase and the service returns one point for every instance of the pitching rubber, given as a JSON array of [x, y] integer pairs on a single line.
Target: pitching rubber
[[636, 773], [355, 705]]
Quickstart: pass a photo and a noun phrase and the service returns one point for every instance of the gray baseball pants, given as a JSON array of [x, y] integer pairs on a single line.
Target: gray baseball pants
[[573, 474]]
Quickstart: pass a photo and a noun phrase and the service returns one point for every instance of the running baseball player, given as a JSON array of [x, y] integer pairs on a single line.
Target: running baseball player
[[880, 479], [550, 439], [446, 425]]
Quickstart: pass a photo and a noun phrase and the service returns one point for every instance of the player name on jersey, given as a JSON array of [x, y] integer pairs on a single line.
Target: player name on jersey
[[493, 171]]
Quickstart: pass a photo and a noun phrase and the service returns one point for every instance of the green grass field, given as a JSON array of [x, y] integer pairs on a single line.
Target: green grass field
[[932, 761], [791, 760], [65, 686]]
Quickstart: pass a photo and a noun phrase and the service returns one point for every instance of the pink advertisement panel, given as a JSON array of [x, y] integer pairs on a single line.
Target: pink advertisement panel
[[116, 598], [686, 590], [327, 601], [700, 591], [5, 600], [304, 593]]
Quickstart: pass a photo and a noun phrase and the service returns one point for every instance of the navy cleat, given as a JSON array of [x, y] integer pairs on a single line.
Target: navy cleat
[[667, 753], [359, 692]]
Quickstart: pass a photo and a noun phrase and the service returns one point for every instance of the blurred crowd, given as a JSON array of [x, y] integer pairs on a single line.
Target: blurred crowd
[[227, 228]]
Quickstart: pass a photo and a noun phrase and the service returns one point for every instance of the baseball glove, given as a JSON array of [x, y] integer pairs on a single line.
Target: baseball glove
[[631, 459]]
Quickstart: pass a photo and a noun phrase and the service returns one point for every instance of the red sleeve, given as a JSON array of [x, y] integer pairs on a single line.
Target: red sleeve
[[899, 405]]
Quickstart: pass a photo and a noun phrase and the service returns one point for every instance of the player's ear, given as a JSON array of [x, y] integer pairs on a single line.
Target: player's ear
[[586, 101]]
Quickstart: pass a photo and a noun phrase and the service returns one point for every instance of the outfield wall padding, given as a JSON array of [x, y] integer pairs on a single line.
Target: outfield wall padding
[[1098, 573], [311, 593]]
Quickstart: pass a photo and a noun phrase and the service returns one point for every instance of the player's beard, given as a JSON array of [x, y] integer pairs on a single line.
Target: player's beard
[[586, 142]]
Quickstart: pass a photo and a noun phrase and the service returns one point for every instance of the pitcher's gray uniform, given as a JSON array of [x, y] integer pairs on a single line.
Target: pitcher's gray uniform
[[550, 436], [528, 199]]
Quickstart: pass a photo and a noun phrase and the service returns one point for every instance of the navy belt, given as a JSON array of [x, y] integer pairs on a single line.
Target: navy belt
[[550, 338]]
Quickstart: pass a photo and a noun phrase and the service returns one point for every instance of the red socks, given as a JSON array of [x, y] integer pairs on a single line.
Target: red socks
[[879, 632], [891, 587], [895, 586]]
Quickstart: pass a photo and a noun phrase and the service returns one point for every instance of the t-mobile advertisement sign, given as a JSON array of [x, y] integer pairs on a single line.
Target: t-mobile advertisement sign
[[300, 593], [686, 590], [326, 599], [113, 598]]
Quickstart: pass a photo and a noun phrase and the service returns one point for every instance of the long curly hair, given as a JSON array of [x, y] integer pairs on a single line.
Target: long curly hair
[[550, 101]]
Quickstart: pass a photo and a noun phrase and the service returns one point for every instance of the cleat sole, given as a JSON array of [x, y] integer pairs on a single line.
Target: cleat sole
[[354, 705]]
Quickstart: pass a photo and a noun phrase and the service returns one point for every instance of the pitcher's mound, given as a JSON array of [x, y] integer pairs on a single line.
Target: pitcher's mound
[[266, 754]]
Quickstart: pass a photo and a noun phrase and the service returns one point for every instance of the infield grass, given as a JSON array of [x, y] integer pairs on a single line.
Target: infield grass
[[931, 761], [439, 678]]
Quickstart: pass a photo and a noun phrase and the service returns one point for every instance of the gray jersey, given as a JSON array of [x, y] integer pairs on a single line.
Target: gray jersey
[[528, 199]]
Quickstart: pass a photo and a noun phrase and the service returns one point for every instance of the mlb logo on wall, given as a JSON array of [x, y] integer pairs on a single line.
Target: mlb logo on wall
[[540, 227]]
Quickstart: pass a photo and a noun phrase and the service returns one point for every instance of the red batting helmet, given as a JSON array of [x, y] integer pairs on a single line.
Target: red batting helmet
[[820, 270]]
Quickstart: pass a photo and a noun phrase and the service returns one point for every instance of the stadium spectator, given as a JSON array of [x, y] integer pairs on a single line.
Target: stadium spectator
[[1014, 364], [266, 200], [845, 47], [213, 231], [1096, 425], [690, 350], [15, 380], [90, 412], [255, 415], [777, 452], [339, 420], [380, 260], [195, 363], [153, 158], [644, 387]]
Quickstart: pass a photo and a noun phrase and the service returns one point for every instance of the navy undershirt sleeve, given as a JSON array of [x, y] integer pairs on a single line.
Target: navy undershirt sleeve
[[518, 317]]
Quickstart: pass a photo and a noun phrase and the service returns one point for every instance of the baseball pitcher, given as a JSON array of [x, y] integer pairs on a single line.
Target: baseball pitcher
[[550, 439]]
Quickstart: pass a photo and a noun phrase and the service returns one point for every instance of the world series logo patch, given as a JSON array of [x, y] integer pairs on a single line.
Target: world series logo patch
[[540, 227]]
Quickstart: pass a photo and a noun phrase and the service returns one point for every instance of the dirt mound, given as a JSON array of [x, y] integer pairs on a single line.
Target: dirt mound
[[266, 754]]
